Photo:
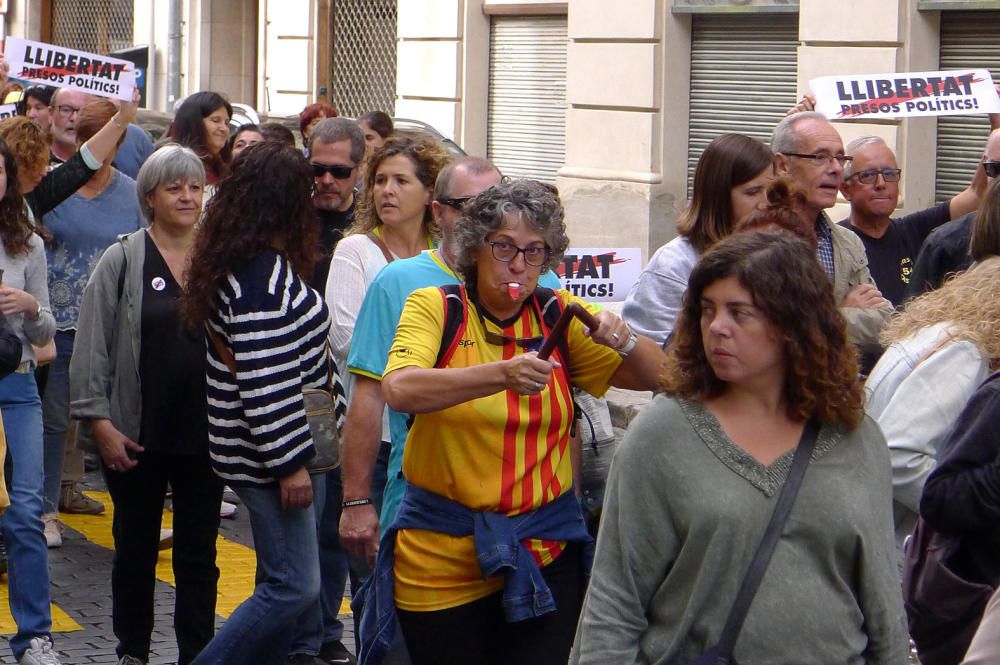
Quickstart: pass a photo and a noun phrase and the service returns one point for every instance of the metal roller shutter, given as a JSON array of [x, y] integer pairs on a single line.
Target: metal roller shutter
[[743, 71], [526, 126], [968, 40]]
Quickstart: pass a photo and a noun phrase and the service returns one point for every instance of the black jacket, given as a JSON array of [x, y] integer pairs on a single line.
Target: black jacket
[[945, 251], [962, 496]]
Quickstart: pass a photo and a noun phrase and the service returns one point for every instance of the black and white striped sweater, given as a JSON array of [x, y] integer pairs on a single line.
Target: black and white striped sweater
[[276, 326]]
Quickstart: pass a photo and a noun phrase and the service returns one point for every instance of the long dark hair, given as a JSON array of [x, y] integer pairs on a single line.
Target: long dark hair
[[265, 203], [15, 229], [791, 290], [728, 161], [188, 129]]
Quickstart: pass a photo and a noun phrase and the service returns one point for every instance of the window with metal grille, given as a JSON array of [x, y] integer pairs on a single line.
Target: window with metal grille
[[743, 70], [97, 26], [969, 40], [364, 57]]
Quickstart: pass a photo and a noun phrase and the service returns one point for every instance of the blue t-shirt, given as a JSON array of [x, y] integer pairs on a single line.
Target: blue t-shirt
[[376, 324], [134, 151], [82, 229]]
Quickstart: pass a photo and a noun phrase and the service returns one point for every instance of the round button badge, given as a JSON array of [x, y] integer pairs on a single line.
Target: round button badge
[[159, 283]]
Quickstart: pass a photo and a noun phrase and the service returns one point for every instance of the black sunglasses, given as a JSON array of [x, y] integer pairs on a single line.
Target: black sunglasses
[[457, 203], [338, 171], [497, 339], [868, 176], [992, 169]]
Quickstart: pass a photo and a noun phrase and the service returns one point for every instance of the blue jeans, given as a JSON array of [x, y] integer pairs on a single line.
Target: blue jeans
[[27, 554], [319, 625], [260, 630], [56, 418]]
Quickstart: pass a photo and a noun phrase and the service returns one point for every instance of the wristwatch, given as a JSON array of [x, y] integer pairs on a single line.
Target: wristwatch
[[629, 345]]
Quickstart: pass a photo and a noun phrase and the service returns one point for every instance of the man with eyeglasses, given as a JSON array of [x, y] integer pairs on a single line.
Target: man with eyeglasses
[[66, 104], [946, 250], [809, 151], [871, 185]]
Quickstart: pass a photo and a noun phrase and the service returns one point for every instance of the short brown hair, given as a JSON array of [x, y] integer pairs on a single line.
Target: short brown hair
[[92, 117], [985, 241], [795, 295]]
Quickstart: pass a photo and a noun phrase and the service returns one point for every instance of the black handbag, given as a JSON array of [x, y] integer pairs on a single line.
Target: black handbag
[[722, 652], [325, 409]]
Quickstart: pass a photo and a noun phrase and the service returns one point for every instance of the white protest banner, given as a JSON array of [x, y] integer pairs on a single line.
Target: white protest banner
[[955, 92], [8, 111], [600, 274], [66, 68]]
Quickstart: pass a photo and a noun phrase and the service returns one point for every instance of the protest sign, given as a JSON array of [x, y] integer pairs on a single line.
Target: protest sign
[[600, 274], [8, 111], [955, 92], [66, 68]]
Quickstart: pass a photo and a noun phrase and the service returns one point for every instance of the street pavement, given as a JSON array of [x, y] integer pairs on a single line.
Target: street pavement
[[81, 587]]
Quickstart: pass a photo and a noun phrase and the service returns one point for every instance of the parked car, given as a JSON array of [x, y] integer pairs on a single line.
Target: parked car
[[157, 122]]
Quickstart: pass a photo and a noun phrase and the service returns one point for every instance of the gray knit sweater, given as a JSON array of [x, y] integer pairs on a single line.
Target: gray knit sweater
[[684, 512]]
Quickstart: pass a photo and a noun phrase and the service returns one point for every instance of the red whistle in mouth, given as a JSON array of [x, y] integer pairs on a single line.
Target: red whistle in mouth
[[514, 290]]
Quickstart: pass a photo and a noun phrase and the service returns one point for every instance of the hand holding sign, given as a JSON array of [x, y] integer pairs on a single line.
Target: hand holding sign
[[903, 95], [68, 68]]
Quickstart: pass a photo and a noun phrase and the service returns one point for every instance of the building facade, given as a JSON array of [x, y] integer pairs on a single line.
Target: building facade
[[612, 101]]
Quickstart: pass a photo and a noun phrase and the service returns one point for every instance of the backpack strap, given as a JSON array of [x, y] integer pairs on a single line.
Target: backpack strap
[[456, 314]]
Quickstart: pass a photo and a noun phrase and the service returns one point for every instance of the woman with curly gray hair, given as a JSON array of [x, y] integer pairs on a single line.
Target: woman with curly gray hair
[[485, 556]]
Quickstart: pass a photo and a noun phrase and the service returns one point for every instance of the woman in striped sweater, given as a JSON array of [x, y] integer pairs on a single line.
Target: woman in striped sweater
[[246, 283]]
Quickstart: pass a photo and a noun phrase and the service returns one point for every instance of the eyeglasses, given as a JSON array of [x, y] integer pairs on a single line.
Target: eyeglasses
[[67, 110], [992, 169], [497, 339], [338, 171], [506, 252], [822, 158], [868, 176], [457, 203]]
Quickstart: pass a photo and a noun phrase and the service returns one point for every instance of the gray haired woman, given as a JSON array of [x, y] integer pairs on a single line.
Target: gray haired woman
[[489, 444], [137, 383]]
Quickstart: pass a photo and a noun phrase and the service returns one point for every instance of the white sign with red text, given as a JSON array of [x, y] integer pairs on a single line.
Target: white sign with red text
[[957, 92], [600, 274], [67, 68]]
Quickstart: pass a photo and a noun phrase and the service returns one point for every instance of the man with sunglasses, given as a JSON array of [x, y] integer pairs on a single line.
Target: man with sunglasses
[[871, 185], [946, 250], [336, 149]]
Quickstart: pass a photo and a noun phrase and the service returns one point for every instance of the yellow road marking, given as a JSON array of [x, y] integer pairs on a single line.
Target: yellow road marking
[[237, 563], [61, 622]]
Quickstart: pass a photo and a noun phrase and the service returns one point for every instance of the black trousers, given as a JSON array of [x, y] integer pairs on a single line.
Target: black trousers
[[478, 633], [138, 497]]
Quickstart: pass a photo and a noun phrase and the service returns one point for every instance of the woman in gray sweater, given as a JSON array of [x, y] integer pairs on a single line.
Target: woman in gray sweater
[[759, 350], [24, 300]]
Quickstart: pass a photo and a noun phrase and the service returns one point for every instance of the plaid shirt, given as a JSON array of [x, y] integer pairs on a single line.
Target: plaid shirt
[[824, 248]]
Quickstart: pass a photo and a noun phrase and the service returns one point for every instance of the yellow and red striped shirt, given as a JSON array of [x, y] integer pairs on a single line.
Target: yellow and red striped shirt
[[506, 452]]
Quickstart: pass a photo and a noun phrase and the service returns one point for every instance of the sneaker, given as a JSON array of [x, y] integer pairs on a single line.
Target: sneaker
[[39, 652], [336, 652], [52, 529], [73, 501], [305, 659], [166, 542], [229, 496], [227, 510], [130, 660]]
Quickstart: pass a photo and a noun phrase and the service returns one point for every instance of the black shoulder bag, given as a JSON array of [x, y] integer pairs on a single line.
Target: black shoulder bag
[[722, 653]]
